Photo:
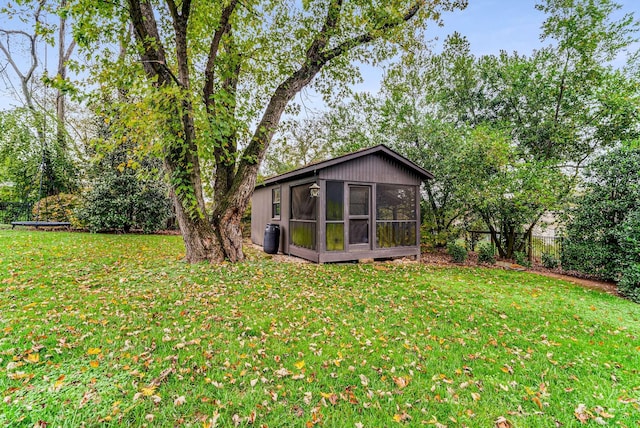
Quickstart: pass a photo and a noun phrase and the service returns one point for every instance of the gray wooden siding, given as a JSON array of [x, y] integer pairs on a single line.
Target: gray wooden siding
[[260, 213], [371, 169]]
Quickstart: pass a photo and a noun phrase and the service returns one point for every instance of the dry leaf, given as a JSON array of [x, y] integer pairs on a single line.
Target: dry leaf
[[364, 380], [537, 401], [582, 414], [33, 358], [282, 372], [503, 422], [148, 391], [401, 381]]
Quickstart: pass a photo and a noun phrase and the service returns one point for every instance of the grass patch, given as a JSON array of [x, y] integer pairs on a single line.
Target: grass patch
[[118, 330]]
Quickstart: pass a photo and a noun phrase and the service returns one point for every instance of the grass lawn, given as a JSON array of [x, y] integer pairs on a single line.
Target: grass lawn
[[116, 330]]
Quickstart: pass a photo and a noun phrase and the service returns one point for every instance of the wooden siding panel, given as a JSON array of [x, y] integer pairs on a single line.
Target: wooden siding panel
[[260, 214], [371, 169]]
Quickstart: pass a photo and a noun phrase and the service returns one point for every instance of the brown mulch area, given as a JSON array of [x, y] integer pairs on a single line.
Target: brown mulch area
[[441, 258]]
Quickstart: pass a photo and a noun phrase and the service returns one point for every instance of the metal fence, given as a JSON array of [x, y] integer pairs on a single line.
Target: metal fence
[[537, 245], [546, 245], [14, 211]]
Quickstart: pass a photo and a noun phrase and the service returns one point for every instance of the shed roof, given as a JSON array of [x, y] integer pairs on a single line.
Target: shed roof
[[313, 168]]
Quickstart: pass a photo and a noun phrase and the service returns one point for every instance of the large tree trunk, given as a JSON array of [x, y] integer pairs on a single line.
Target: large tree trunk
[[200, 241], [219, 238]]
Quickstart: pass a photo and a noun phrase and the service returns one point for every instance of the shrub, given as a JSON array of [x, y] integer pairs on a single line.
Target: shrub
[[457, 252], [549, 261], [122, 202], [522, 259], [603, 233], [430, 238], [629, 285], [486, 253], [59, 207]]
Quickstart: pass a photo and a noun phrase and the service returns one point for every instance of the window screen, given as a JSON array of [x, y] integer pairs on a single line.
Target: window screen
[[302, 226], [335, 216], [396, 216], [303, 206]]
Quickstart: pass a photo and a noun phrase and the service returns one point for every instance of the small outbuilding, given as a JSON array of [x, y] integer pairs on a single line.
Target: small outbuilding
[[363, 205]]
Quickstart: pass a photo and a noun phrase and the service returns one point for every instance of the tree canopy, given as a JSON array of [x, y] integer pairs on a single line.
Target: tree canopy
[[506, 135]]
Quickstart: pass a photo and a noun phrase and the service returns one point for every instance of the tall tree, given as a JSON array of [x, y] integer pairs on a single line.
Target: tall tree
[[22, 49], [210, 71], [25, 66], [64, 55]]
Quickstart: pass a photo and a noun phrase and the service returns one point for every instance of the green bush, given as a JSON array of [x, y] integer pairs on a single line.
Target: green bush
[[522, 259], [486, 253], [629, 285], [122, 202], [57, 208], [603, 232], [457, 252], [549, 261]]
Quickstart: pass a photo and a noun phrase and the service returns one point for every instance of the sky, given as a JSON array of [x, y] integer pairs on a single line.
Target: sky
[[489, 25]]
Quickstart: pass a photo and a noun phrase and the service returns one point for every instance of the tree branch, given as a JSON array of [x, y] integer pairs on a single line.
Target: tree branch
[[316, 58], [209, 71], [369, 37], [145, 28]]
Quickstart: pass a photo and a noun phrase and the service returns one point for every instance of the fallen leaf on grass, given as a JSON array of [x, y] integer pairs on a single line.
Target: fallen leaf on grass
[[148, 391], [364, 380], [402, 381], [582, 414], [401, 417], [33, 358], [503, 422], [282, 372], [58, 383], [333, 398], [537, 401], [236, 419], [308, 396]]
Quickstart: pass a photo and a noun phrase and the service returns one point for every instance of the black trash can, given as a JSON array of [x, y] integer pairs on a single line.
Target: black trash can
[[271, 238]]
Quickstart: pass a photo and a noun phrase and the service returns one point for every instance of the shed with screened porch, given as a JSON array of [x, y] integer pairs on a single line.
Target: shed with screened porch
[[363, 205]]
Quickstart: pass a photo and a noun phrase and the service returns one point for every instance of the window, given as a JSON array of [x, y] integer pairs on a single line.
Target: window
[[335, 216], [302, 226], [396, 219], [275, 203]]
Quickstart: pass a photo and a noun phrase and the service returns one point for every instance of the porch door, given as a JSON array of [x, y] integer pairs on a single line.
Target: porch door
[[359, 218]]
